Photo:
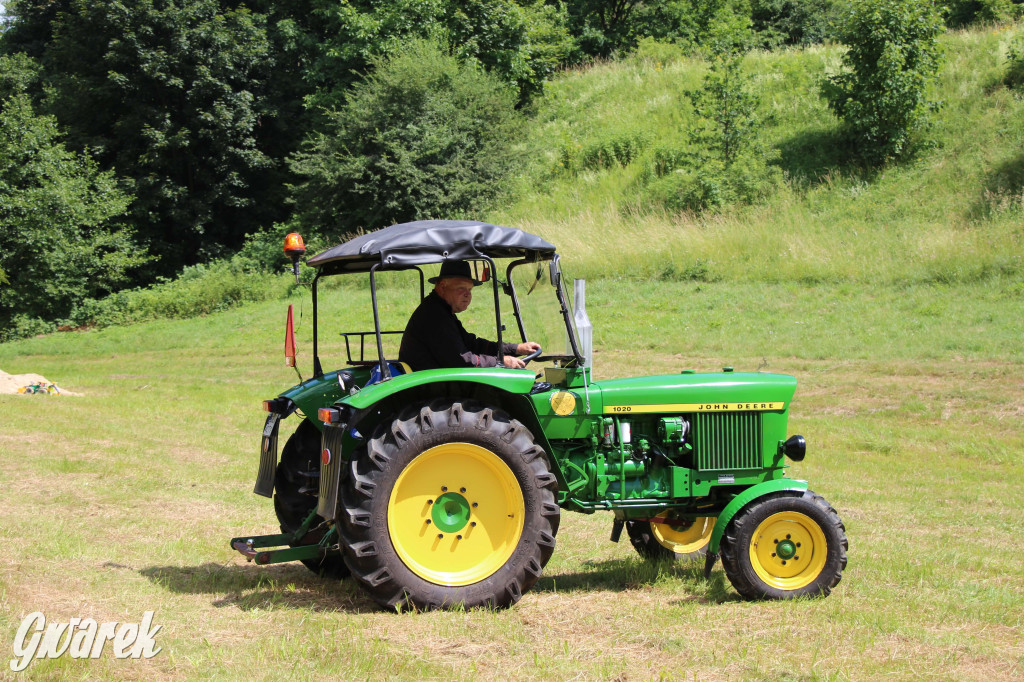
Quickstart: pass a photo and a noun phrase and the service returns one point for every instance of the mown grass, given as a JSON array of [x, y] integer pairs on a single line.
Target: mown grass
[[122, 500]]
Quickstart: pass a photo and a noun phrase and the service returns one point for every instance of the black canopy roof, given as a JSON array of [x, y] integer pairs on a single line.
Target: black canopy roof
[[430, 241]]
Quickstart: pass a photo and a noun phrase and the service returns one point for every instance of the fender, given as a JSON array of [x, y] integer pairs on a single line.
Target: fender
[[510, 380], [737, 503]]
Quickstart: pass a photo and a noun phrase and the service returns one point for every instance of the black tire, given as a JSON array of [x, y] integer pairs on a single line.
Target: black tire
[[409, 530], [301, 453], [784, 546], [684, 539]]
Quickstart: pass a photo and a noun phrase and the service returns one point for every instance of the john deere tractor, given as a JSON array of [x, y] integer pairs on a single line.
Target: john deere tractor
[[444, 487]]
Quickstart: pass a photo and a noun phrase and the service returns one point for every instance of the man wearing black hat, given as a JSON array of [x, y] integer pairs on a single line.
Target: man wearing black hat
[[435, 337]]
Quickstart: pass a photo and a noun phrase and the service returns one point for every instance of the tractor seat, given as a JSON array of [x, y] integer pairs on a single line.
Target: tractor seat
[[394, 366]]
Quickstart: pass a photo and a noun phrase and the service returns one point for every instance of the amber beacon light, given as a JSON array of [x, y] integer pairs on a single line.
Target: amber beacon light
[[294, 248]]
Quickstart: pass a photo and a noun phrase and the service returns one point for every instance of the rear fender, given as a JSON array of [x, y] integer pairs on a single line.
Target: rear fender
[[380, 403]]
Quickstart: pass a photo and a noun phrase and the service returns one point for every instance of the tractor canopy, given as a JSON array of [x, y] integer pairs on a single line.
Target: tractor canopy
[[430, 241]]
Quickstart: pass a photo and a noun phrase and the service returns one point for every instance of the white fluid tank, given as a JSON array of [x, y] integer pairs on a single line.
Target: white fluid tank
[[584, 330]]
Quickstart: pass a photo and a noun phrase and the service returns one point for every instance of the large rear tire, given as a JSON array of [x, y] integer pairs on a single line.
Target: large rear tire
[[293, 505], [684, 539], [450, 504], [784, 546]]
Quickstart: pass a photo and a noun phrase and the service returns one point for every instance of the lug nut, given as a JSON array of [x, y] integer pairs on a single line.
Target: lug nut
[[440, 536], [458, 537], [444, 488], [462, 490]]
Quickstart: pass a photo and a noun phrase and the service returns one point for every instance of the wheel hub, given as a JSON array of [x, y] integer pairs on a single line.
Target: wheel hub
[[450, 512], [786, 549]]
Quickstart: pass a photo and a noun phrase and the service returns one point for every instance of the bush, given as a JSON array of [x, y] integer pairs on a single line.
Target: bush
[[619, 148], [712, 185], [61, 235], [424, 136], [966, 12], [730, 162], [1014, 77], [881, 94], [794, 22], [199, 290]]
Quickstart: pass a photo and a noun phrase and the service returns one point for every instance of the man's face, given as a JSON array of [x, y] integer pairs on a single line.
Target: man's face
[[456, 292]]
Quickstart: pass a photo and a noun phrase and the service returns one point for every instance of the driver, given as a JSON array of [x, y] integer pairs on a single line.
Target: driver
[[435, 338]]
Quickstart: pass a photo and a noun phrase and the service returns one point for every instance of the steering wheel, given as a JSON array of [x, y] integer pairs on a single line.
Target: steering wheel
[[532, 356]]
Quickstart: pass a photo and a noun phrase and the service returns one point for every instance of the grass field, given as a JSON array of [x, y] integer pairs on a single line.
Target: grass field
[[122, 500]]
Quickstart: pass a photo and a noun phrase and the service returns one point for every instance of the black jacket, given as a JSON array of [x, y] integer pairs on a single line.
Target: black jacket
[[435, 338]]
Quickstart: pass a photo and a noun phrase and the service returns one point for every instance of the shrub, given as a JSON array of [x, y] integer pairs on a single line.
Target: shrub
[[794, 22], [966, 12], [1014, 77], [424, 136], [618, 148], [881, 94], [61, 235]]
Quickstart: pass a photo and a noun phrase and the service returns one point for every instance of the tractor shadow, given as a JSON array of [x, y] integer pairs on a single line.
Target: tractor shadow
[[623, 575], [265, 588]]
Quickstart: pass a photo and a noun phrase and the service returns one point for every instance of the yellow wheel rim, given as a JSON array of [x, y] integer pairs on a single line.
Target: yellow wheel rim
[[684, 536], [788, 550], [456, 514]]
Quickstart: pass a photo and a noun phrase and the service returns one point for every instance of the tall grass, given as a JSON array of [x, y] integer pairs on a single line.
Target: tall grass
[[952, 213]]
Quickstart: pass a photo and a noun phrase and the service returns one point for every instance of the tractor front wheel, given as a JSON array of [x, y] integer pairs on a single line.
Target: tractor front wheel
[[679, 539], [452, 503], [784, 546]]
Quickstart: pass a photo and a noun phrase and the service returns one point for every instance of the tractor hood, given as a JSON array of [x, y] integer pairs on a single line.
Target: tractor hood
[[698, 393]]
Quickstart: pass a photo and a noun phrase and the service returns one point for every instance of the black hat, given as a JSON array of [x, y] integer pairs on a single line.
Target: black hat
[[455, 268]]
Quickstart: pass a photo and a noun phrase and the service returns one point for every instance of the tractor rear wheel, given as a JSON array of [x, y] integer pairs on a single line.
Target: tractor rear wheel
[[676, 539], [784, 546], [295, 495], [450, 504]]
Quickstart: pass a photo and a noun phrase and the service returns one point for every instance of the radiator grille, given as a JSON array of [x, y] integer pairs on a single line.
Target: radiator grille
[[330, 474], [728, 440]]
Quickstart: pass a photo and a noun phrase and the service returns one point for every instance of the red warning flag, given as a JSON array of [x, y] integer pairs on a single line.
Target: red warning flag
[[289, 340]]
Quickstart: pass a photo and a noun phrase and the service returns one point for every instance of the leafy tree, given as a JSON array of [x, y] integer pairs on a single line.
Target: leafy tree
[[604, 28], [966, 12], [795, 22], [727, 161], [424, 136], [881, 94], [521, 42], [61, 235], [167, 94], [1014, 77]]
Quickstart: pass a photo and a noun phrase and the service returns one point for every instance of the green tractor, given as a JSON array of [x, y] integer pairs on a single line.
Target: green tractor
[[444, 487]]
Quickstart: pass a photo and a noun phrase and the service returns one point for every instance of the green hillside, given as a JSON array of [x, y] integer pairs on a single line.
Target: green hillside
[[952, 214]]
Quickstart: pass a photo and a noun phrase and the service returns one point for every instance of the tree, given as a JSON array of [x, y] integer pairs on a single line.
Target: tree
[[168, 94], [726, 162], [424, 136], [881, 93], [521, 42], [61, 235]]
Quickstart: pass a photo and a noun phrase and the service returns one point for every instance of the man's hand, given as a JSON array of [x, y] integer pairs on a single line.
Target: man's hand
[[526, 348], [513, 362]]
